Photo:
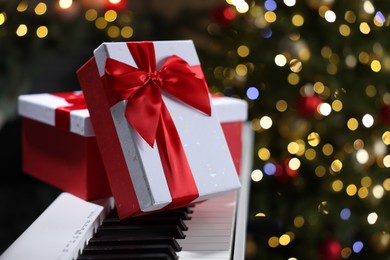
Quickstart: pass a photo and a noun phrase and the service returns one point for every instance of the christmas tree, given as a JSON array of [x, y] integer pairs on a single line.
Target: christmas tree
[[315, 74]]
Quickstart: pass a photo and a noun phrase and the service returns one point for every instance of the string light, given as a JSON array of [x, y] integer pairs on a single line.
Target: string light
[[2, 18], [65, 4]]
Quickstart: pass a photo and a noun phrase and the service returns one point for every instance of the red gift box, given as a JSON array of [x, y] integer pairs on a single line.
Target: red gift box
[[59, 145], [158, 134]]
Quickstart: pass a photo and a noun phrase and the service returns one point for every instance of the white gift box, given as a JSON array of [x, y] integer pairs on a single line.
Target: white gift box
[[134, 168]]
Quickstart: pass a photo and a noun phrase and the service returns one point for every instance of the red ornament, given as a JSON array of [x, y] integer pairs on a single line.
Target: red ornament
[[384, 114], [307, 106], [224, 15], [284, 173], [330, 249], [116, 5]]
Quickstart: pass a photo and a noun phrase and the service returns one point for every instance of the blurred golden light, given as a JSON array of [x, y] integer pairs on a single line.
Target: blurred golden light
[[331, 69], [366, 181], [113, 31], [40, 9], [284, 240], [320, 171], [386, 137], [21, 30], [100, 23], [313, 139], [363, 192], [3, 17], [22, 6], [364, 28], [293, 147], [336, 166], [295, 65], [241, 70], [281, 105], [327, 149], [386, 161], [299, 221], [293, 78], [364, 57], [42, 31], [376, 65], [337, 105], [386, 184], [91, 15], [127, 32], [326, 52], [350, 16], [337, 185], [351, 190], [310, 154], [346, 252], [370, 90], [243, 51], [264, 154], [297, 20], [344, 30], [273, 242], [270, 17], [352, 124], [110, 16]]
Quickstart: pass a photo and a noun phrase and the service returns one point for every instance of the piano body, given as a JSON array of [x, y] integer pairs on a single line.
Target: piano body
[[71, 228]]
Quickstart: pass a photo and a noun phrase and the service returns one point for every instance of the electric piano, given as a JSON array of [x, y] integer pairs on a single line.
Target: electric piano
[[71, 228]]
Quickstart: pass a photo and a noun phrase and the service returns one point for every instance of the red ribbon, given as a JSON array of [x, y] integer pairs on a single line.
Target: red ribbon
[[147, 113], [62, 114]]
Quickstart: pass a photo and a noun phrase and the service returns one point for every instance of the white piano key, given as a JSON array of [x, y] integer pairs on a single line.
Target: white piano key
[[61, 231], [206, 247], [209, 255], [205, 239]]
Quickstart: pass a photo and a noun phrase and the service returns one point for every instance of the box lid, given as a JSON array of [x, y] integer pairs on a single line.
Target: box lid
[[42, 108]]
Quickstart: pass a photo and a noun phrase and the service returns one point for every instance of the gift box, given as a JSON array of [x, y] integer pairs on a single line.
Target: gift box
[[59, 145], [158, 134]]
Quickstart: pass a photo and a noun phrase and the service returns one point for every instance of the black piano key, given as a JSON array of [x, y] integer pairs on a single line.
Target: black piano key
[[146, 221], [182, 213], [130, 249], [159, 256], [140, 230], [163, 240]]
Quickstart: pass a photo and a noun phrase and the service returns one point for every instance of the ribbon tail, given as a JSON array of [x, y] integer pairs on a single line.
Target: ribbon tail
[[177, 170]]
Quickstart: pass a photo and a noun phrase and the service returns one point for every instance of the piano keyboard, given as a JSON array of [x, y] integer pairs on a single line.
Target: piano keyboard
[[71, 228]]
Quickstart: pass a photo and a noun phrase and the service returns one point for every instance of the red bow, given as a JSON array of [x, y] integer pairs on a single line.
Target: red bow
[[142, 87], [62, 114]]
